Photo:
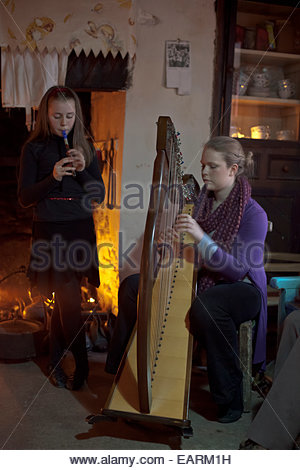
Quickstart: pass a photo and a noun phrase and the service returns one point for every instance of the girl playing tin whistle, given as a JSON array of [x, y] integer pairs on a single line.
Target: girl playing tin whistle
[[56, 180]]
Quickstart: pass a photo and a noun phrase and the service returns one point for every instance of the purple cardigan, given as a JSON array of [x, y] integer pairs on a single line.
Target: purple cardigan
[[246, 259]]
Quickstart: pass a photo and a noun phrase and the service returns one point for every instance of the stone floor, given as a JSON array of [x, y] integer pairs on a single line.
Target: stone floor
[[36, 415]]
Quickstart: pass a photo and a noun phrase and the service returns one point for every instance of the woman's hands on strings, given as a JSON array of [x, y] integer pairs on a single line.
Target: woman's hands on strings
[[66, 166], [186, 223], [169, 236], [183, 223], [168, 242]]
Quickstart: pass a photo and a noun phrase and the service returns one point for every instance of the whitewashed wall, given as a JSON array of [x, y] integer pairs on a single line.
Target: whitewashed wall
[[148, 98]]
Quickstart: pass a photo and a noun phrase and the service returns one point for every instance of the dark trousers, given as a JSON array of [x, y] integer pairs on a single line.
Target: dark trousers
[[126, 319], [66, 327], [215, 317]]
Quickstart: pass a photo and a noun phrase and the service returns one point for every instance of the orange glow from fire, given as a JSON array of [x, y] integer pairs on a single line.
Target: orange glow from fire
[[107, 123], [107, 230]]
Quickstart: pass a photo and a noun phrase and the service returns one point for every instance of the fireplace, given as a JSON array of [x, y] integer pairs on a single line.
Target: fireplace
[[101, 84]]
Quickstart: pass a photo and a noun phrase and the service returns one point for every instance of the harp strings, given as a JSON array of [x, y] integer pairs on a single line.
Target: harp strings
[[163, 284]]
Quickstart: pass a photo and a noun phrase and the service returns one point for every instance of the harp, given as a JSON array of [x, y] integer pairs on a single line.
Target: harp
[[153, 380]]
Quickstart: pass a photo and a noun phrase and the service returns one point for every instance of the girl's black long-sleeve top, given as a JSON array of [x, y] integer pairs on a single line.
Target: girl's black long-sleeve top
[[57, 201]]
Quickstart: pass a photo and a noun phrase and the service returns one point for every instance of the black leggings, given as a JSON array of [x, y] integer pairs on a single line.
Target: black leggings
[[66, 328], [215, 316]]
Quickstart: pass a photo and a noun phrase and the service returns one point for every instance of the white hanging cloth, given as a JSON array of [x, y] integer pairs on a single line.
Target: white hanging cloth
[[27, 75]]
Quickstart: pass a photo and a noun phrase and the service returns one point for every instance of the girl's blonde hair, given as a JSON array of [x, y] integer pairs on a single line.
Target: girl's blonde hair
[[42, 129], [233, 153]]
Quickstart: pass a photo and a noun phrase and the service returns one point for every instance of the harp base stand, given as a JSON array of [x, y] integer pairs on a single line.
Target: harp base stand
[[185, 432], [93, 419]]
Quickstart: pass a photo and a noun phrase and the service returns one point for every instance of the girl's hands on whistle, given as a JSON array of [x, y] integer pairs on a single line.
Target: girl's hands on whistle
[[78, 159], [64, 167]]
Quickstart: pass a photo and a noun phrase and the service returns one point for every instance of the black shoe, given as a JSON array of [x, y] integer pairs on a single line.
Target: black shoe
[[229, 416], [77, 381], [57, 376], [232, 411]]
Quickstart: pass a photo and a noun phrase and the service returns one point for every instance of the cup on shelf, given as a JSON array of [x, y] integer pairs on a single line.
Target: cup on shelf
[[236, 131], [261, 80], [260, 132], [240, 82], [285, 134], [243, 83], [286, 88]]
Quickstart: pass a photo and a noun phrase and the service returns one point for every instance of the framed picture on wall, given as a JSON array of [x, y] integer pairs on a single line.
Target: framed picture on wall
[[178, 53], [178, 66]]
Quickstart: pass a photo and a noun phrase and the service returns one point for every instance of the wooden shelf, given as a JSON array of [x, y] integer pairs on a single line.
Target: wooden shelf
[[265, 9], [259, 101], [251, 56]]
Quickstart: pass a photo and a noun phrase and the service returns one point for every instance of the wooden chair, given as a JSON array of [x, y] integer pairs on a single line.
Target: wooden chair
[[245, 350]]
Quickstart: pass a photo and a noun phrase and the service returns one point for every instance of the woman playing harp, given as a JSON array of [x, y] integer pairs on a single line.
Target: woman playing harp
[[229, 230]]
